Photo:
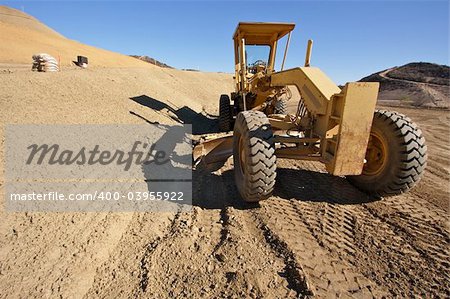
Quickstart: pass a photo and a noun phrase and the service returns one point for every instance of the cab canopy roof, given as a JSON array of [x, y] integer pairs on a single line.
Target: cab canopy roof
[[259, 33]]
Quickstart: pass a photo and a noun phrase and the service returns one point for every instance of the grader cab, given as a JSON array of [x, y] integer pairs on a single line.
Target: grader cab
[[255, 46], [380, 152]]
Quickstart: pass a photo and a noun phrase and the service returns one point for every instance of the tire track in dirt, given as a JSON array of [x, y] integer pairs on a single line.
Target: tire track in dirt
[[397, 260], [405, 249], [425, 233], [326, 273], [319, 225], [121, 273], [150, 247], [253, 267], [260, 236], [180, 222], [216, 250], [253, 264], [316, 270]]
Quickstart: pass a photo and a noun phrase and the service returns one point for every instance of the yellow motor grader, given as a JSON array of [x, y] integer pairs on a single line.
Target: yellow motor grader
[[380, 152]]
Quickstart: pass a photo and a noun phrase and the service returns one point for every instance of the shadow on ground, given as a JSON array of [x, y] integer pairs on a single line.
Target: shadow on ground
[[316, 186], [202, 123], [217, 191]]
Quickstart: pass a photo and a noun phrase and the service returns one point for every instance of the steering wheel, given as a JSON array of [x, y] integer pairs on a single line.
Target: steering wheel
[[259, 62]]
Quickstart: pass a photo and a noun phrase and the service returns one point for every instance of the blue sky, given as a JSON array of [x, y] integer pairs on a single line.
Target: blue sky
[[351, 39]]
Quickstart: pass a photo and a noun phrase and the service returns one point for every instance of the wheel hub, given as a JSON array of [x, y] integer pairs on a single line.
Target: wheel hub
[[376, 155]]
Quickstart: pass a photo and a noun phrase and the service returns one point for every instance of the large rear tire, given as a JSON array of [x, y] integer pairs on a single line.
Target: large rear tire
[[225, 114], [396, 156], [254, 156]]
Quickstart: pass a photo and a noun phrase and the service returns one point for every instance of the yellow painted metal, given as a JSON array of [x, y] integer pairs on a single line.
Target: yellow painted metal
[[352, 111], [315, 87], [257, 33], [273, 53], [281, 124], [294, 153], [214, 150], [286, 50], [343, 118]]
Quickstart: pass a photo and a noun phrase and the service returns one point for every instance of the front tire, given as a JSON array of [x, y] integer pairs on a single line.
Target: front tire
[[254, 156], [396, 156]]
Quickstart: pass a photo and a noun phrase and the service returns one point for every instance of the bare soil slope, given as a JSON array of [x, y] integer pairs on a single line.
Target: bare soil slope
[[151, 60], [415, 84], [23, 36]]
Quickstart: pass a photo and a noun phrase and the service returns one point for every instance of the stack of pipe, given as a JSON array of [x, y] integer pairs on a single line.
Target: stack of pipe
[[44, 63]]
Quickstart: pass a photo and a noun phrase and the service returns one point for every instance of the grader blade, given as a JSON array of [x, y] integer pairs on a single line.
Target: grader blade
[[212, 152]]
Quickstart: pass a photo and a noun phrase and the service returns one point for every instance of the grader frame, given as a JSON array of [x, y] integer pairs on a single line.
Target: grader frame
[[332, 125]]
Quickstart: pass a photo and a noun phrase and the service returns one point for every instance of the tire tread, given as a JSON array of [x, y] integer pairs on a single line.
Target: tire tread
[[259, 182]]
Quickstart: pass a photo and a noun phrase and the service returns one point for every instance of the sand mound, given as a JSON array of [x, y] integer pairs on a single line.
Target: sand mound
[[16, 17], [415, 84], [23, 36]]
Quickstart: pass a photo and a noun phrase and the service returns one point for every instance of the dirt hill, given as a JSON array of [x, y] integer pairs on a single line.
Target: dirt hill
[[23, 35], [417, 84]]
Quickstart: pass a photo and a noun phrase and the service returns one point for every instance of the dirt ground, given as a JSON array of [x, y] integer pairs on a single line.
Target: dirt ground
[[317, 235]]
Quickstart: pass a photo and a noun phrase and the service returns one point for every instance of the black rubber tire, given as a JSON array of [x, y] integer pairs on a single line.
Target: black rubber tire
[[256, 179], [225, 114], [280, 107], [407, 156]]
